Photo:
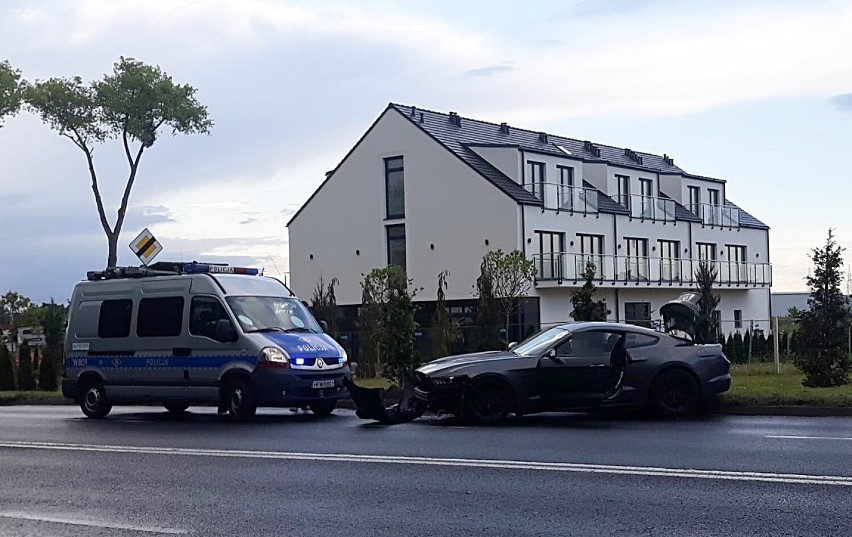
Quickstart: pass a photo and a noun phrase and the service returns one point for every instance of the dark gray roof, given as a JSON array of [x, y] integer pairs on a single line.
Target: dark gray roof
[[746, 220], [681, 212], [472, 132]]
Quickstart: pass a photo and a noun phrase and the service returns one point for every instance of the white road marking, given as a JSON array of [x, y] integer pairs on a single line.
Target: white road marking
[[91, 523], [793, 437], [431, 461]]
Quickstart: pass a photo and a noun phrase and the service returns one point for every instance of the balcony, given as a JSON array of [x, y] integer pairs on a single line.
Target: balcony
[[611, 270], [652, 208], [717, 215], [565, 198]]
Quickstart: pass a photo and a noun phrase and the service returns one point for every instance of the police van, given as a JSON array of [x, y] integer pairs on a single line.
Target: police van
[[197, 334]]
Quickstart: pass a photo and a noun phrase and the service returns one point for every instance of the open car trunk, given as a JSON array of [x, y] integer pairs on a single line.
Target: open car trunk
[[681, 313]]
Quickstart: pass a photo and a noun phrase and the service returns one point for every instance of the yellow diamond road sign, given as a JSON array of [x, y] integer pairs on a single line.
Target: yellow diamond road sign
[[146, 247]]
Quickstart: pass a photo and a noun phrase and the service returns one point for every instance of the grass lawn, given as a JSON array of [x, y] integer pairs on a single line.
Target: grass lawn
[[36, 396], [372, 383], [758, 384]]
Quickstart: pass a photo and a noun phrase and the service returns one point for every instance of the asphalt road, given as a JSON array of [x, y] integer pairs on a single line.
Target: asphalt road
[[144, 473]]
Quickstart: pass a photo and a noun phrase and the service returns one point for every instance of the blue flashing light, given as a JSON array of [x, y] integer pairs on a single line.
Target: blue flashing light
[[300, 361]]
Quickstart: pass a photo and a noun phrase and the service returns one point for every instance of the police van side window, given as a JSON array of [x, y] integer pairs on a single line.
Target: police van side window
[[204, 313], [160, 317], [114, 318]]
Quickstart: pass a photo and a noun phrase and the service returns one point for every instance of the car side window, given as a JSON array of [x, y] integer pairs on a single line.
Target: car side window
[[204, 314], [635, 341], [588, 343]]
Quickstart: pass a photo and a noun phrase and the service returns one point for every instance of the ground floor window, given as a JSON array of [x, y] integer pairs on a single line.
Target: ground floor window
[[638, 313]]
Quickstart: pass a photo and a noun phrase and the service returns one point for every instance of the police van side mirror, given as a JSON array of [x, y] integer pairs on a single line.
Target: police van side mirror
[[225, 331], [324, 326]]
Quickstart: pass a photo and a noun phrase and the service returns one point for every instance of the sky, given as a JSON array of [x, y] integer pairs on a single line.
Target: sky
[[758, 93]]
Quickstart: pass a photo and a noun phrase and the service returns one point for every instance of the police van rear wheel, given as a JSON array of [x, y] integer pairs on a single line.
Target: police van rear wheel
[[94, 403], [323, 408], [241, 400]]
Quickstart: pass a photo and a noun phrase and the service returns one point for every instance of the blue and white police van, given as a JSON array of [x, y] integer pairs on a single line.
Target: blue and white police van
[[197, 334]]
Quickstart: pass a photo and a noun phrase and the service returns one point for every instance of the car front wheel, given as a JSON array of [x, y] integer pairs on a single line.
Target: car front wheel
[[323, 408], [675, 393], [488, 401], [241, 399]]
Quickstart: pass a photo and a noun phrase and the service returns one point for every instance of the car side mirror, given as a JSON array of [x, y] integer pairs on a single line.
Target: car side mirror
[[512, 344], [225, 331], [324, 326], [551, 354]]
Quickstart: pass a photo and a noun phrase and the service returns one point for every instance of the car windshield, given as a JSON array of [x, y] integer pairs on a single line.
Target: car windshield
[[536, 344], [272, 314]]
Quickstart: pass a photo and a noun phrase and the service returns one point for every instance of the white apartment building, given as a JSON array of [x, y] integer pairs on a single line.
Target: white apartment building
[[435, 191]]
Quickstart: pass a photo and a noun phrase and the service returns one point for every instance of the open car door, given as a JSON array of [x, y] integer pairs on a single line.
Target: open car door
[[582, 370]]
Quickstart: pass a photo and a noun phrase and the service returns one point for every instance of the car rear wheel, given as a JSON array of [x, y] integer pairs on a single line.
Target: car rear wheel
[[323, 408], [176, 408], [241, 400], [488, 401], [94, 402], [675, 393]]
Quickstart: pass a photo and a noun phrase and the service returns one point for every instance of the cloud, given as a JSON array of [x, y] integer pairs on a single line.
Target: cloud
[[248, 221], [844, 101], [489, 71]]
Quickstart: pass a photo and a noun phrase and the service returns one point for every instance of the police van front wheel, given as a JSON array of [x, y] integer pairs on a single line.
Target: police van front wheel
[[94, 403], [323, 408], [240, 399]]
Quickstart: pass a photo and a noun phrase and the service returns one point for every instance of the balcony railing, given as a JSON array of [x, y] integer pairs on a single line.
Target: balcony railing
[[652, 208], [565, 198], [620, 268], [717, 215]]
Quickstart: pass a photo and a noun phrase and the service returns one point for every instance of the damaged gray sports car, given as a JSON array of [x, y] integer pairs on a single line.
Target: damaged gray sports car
[[582, 365]]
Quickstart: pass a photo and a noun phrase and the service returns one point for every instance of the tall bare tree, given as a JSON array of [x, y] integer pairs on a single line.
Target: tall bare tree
[[511, 279], [132, 104]]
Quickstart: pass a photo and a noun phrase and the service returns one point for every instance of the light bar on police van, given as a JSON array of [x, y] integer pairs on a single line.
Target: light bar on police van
[[204, 268]]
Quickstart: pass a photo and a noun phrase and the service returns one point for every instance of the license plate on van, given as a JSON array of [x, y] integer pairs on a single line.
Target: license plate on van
[[323, 384]]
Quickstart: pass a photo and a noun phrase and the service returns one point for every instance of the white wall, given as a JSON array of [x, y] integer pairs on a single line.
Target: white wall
[[505, 159], [456, 210]]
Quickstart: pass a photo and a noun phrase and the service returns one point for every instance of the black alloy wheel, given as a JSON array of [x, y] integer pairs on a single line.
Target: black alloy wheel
[[675, 393], [94, 402], [488, 401]]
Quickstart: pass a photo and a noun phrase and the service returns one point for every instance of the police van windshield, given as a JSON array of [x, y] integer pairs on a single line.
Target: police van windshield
[[272, 314]]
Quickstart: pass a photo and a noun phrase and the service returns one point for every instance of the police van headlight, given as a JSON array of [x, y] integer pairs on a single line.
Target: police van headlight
[[344, 358], [273, 357]]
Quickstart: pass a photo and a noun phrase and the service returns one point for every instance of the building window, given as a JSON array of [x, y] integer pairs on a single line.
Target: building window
[[738, 319], [114, 318], [695, 200], [566, 184], [535, 179], [646, 189], [394, 187], [706, 251], [638, 313], [591, 251], [623, 182], [735, 268], [637, 260], [717, 318], [396, 245], [713, 197], [550, 247], [669, 261], [160, 317]]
